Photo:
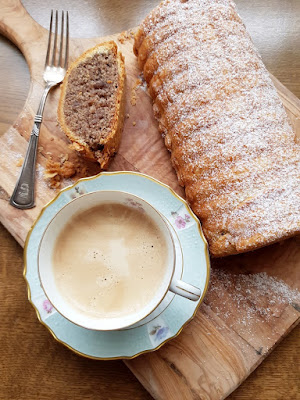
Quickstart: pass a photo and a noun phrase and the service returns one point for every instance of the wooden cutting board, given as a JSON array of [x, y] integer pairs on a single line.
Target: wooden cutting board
[[252, 302]]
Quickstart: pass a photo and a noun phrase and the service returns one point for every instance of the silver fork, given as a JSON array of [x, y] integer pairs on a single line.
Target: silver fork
[[54, 72]]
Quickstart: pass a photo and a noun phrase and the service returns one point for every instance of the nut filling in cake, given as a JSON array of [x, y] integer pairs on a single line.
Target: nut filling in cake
[[91, 105]]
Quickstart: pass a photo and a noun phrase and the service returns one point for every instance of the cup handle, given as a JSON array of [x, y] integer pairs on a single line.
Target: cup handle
[[185, 290]]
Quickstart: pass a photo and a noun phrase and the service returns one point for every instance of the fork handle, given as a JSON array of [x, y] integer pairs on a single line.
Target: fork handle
[[23, 194]]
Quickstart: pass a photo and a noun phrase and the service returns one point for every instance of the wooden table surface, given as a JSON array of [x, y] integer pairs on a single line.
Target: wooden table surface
[[33, 365]]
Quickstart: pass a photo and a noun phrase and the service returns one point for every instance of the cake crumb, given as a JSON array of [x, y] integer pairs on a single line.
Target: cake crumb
[[63, 158], [133, 99], [127, 115], [125, 35], [56, 171], [67, 169], [40, 149], [134, 123], [136, 85], [20, 162]]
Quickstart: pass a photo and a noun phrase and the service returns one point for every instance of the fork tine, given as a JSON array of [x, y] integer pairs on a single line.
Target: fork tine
[[55, 39], [49, 41], [61, 40], [67, 42]]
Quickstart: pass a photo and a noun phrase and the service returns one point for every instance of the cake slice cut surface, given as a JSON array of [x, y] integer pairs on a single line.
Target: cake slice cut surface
[[91, 106]]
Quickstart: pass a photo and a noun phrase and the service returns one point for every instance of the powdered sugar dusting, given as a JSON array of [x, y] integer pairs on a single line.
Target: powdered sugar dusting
[[264, 288], [43, 188], [231, 142], [246, 302]]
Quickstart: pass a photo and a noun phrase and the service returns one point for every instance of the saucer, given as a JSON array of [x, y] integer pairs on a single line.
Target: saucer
[[164, 323]]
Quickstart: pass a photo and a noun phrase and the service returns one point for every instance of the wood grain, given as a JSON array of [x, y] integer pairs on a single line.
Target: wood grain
[[14, 83], [132, 147]]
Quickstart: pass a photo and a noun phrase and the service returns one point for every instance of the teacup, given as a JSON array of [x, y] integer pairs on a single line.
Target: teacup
[[134, 270]]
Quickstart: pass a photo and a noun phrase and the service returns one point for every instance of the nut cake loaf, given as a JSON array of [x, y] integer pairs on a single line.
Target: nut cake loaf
[[229, 136]]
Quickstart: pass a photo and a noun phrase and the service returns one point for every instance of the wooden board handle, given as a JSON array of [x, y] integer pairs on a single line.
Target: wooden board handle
[[19, 27]]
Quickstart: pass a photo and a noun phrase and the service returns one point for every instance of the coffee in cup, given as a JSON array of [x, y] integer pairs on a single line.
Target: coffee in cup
[[110, 260]]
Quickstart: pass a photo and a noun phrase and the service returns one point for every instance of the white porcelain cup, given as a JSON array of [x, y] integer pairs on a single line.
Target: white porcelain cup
[[46, 250]]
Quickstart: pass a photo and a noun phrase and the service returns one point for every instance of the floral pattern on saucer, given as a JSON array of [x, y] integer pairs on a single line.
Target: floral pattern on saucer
[[77, 191], [181, 219], [158, 331], [155, 332], [44, 307]]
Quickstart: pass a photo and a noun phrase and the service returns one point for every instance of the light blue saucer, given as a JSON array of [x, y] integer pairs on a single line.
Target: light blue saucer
[[160, 326]]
